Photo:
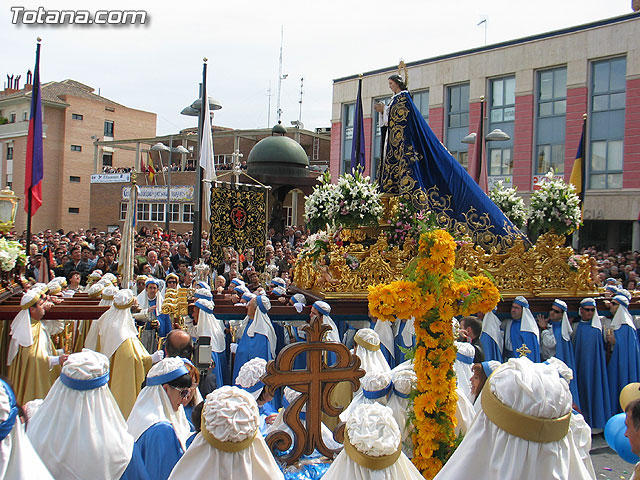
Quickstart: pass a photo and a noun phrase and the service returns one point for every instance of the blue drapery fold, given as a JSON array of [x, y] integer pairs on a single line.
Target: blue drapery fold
[[624, 364], [416, 164], [564, 352]]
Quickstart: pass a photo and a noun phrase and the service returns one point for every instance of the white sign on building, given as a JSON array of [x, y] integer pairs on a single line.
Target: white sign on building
[[111, 178], [158, 193]]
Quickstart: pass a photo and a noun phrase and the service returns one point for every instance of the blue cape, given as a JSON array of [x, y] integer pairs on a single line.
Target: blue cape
[[416, 164], [160, 450], [591, 375], [517, 339], [490, 348], [624, 364], [564, 352]]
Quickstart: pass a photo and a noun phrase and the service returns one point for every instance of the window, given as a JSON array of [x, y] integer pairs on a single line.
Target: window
[[76, 116], [143, 212], [347, 135], [458, 109], [376, 150], [107, 159], [500, 161], [458, 122], [174, 212], [421, 99], [25, 116], [608, 90], [9, 152], [12, 117], [187, 213], [550, 120], [288, 215], [76, 148], [74, 210], [123, 211], [74, 179], [157, 212], [503, 100], [108, 128]]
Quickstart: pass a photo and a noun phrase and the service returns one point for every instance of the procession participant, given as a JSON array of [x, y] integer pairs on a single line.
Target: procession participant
[[481, 371], [632, 422], [375, 388], [624, 364], [80, 402], [250, 379], [405, 338], [321, 310], [141, 281], [471, 330], [194, 398], [521, 330], [258, 338], [18, 459], [156, 324], [91, 340], [556, 342], [492, 338], [526, 414], [157, 421], [384, 330], [207, 325], [33, 366], [404, 382], [462, 366], [368, 350], [591, 367], [128, 359], [366, 456], [228, 445]]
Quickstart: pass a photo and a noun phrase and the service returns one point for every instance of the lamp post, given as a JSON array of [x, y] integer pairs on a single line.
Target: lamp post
[[161, 147], [495, 135], [8, 208], [196, 110]]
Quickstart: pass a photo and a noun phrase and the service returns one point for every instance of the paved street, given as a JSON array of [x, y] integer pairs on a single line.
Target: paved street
[[607, 464]]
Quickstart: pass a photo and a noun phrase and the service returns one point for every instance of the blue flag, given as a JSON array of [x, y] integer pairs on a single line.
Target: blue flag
[[357, 143], [34, 171]]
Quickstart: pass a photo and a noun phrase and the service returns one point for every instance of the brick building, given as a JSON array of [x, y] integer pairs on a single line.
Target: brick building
[[74, 118], [109, 200], [536, 89]]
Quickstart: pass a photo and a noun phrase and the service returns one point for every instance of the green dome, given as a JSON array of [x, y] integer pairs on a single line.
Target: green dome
[[278, 155]]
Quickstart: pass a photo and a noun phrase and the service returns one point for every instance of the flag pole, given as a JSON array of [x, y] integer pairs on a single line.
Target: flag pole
[[36, 83], [197, 226]]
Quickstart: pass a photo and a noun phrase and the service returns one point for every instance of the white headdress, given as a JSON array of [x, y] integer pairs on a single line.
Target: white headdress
[[209, 325], [21, 325], [324, 309], [261, 323], [229, 445], [153, 404], [250, 376], [566, 325], [80, 402], [372, 448], [385, 332], [368, 350], [117, 325], [491, 326]]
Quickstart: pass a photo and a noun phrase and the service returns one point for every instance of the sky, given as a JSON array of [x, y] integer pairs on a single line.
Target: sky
[[157, 66]]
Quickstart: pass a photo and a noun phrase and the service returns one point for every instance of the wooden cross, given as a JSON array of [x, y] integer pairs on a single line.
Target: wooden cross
[[315, 384], [523, 350]]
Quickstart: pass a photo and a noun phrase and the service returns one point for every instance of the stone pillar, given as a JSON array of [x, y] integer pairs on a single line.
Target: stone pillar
[[635, 232]]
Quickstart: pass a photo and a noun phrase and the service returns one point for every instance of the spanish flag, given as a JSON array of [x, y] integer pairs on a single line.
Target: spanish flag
[[578, 177]]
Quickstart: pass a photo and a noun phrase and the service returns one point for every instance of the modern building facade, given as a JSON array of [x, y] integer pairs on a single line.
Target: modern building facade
[[109, 193], [536, 89], [74, 118]]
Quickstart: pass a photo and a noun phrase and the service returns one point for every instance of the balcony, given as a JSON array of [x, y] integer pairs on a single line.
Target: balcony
[[18, 129]]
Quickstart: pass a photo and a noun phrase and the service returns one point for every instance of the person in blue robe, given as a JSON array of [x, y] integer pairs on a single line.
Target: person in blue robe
[[157, 420], [624, 364], [322, 310], [405, 338], [259, 338], [590, 373], [492, 338], [416, 165], [521, 331], [556, 341]]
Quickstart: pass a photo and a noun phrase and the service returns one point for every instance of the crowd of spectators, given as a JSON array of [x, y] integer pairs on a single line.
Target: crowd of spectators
[[621, 266], [157, 254]]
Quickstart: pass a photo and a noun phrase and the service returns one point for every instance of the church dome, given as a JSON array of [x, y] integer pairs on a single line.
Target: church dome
[[278, 155]]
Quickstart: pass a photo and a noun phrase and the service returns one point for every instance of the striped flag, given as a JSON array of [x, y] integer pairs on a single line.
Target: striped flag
[[34, 170], [578, 177]]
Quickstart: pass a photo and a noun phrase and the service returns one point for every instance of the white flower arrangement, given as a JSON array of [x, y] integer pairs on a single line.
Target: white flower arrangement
[[12, 253], [358, 200], [554, 206], [354, 200], [507, 200]]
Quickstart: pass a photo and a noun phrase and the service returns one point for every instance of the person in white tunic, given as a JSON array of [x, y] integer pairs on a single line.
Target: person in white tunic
[[372, 448], [18, 459], [78, 431], [521, 432], [376, 387], [229, 445], [368, 351]]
